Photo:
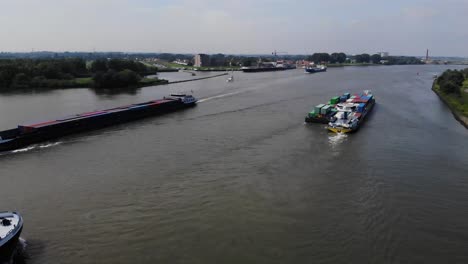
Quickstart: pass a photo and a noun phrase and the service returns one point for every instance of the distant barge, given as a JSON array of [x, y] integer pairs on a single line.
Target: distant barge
[[269, 66], [25, 135]]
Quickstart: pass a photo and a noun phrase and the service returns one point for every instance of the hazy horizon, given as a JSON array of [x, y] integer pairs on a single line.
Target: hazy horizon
[[240, 27]]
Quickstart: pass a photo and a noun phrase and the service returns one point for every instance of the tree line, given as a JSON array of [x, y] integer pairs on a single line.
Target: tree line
[[118, 73], [62, 73], [451, 81], [362, 58]]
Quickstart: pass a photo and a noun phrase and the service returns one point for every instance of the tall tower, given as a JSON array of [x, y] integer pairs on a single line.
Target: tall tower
[[427, 55]]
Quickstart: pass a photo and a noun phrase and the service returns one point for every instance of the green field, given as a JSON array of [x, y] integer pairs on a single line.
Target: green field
[[84, 82]]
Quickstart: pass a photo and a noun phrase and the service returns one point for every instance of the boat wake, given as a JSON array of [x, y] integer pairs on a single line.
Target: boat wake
[[32, 147], [217, 96], [336, 139]]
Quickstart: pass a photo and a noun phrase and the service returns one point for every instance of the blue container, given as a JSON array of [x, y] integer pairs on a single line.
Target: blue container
[[348, 95], [361, 107]]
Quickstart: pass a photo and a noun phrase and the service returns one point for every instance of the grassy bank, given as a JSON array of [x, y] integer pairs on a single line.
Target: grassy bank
[[458, 104]]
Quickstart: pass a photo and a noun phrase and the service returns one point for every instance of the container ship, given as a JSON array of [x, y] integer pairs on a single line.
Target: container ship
[[11, 225], [343, 114], [27, 134], [324, 113]]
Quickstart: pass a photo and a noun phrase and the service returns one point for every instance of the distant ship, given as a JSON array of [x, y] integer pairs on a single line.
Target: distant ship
[[269, 66], [314, 69]]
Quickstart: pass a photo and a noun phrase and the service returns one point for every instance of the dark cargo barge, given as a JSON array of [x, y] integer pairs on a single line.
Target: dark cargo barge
[[25, 135]]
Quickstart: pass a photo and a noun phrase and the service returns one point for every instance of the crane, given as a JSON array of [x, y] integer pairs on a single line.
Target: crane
[[275, 54]]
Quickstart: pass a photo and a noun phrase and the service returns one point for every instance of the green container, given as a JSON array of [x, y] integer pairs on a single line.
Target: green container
[[318, 107], [335, 100], [325, 110]]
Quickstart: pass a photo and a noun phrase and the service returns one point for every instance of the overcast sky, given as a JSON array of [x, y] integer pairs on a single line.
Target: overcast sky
[[236, 26]]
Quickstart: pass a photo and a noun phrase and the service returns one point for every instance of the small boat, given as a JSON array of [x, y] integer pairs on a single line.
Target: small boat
[[230, 79], [314, 69], [11, 225]]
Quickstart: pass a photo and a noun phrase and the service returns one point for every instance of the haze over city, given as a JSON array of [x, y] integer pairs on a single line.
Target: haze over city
[[236, 27]]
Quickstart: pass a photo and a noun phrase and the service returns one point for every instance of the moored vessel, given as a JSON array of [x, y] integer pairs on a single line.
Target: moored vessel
[[27, 134]]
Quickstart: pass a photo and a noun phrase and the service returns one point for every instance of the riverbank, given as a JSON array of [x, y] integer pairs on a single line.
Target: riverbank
[[457, 104]]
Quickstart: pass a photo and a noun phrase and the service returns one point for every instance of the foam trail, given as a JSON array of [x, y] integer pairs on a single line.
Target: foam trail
[[336, 139], [23, 149], [217, 96], [35, 147], [50, 145]]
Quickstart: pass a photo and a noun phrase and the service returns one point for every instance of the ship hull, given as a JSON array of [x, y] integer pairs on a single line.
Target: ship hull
[[309, 70], [8, 244], [87, 124], [9, 248], [320, 120]]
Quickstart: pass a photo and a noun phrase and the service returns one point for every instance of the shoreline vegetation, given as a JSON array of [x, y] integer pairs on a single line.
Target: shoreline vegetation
[[115, 71], [452, 89], [75, 73]]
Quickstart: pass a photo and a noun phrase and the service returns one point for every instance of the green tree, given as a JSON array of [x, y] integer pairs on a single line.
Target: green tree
[[319, 57], [376, 58], [99, 65], [449, 87], [465, 72], [20, 80], [363, 58]]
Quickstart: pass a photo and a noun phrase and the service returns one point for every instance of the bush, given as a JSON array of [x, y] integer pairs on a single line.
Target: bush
[[449, 87], [116, 79], [454, 76]]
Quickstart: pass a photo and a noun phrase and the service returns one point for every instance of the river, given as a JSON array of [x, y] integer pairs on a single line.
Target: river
[[241, 178]]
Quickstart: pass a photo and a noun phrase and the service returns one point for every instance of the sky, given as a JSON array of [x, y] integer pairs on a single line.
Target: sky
[[237, 26]]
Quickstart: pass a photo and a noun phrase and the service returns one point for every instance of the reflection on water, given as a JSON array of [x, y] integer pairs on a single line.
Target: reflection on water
[[18, 255], [116, 91]]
